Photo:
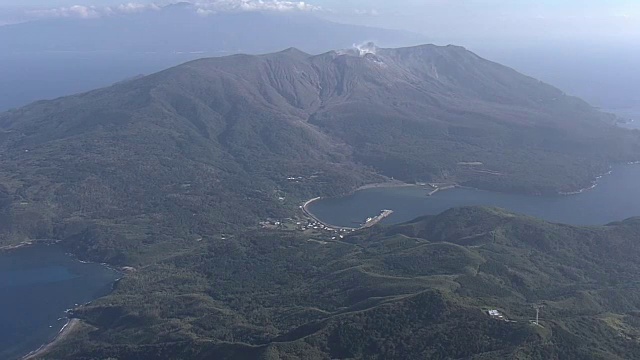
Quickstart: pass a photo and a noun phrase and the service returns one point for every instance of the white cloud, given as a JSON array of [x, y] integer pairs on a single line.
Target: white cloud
[[215, 6], [76, 11], [201, 7], [91, 12], [135, 7], [370, 12]]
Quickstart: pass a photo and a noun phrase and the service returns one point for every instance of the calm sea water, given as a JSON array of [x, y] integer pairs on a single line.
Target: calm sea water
[[629, 113], [27, 77], [616, 197], [37, 285]]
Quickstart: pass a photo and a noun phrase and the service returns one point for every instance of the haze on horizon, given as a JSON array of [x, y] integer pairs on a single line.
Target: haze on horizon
[[472, 22], [586, 47], [319, 179]]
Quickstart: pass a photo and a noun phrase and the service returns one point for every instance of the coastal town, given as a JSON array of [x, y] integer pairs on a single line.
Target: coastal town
[[309, 224]]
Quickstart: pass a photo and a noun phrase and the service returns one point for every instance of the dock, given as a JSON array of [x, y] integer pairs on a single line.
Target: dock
[[372, 221], [441, 188]]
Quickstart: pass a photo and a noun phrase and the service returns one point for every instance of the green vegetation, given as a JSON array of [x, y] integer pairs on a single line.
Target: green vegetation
[[173, 173], [415, 290], [129, 173]]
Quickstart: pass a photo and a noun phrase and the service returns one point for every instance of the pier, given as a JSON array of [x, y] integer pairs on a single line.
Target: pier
[[440, 188], [372, 221]]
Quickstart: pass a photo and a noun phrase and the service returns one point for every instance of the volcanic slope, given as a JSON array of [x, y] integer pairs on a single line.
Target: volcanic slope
[[126, 173]]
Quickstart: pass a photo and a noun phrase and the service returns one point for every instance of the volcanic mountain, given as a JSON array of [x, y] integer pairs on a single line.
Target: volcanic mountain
[[126, 172], [118, 42]]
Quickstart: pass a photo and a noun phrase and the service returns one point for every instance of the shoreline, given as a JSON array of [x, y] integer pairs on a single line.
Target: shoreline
[[67, 329], [71, 324], [594, 183], [28, 243], [387, 184], [121, 270], [308, 213], [381, 185], [450, 186], [442, 188], [578, 192], [16, 246]]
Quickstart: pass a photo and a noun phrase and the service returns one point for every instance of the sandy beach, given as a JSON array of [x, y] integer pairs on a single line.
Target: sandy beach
[[66, 330]]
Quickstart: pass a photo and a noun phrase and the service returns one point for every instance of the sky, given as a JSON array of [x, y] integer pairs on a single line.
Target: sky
[[446, 20]]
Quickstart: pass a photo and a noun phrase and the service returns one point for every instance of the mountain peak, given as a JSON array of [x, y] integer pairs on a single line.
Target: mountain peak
[[293, 51], [224, 125]]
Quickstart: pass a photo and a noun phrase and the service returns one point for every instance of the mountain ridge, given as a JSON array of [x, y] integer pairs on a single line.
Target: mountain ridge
[[208, 147], [225, 31], [413, 290], [96, 52]]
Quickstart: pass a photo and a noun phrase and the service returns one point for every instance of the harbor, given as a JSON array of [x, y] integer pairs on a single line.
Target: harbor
[[368, 222], [374, 220]]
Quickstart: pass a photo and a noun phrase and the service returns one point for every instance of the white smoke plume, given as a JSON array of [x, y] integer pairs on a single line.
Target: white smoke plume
[[366, 48]]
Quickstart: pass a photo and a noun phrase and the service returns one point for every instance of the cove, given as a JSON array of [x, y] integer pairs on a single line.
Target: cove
[[37, 284], [615, 198]]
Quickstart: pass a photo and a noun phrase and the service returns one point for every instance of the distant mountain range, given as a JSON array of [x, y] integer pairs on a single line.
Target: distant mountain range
[[208, 146], [180, 28], [53, 57]]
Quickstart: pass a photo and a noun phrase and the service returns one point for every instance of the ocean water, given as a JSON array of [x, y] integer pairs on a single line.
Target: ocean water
[[617, 197], [631, 114], [37, 284], [28, 77]]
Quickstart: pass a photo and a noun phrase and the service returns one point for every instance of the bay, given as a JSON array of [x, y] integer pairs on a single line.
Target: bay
[[615, 198], [37, 284]]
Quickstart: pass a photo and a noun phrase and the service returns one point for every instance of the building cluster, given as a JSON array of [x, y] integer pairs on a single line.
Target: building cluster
[[315, 225], [271, 224], [298, 179], [304, 225], [496, 314]]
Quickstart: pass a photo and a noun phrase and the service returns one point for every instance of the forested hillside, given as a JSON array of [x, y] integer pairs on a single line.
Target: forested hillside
[[168, 176], [128, 173], [415, 290]]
